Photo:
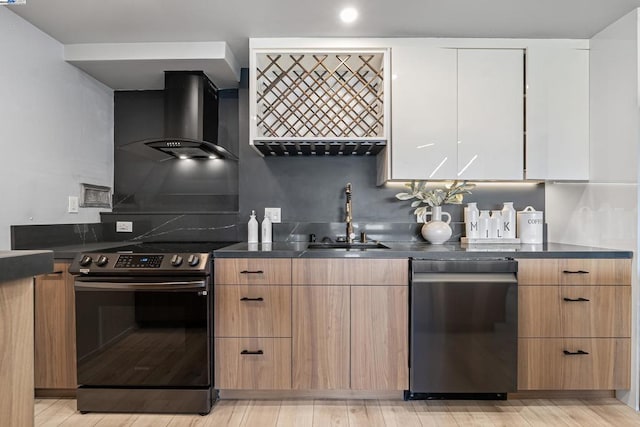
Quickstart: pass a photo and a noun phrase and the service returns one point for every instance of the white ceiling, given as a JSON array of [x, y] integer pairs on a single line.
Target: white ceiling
[[234, 21]]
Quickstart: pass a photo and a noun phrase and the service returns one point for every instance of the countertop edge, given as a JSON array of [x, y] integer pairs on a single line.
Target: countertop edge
[[20, 264]]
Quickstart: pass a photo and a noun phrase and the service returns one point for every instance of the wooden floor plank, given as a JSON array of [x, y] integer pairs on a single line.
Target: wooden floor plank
[[80, 420], [294, 413], [42, 404], [263, 413], [224, 413], [397, 413], [56, 413], [434, 413], [117, 420], [365, 413], [502, 414], [328, 413], [613, 412], [469, 413]]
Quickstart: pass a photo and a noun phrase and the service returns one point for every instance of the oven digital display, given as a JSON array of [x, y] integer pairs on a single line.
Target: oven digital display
[[139, 261]]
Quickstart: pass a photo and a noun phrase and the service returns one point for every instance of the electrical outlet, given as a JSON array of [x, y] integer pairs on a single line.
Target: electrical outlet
[[274, 214], [124, 226], [73, 204]]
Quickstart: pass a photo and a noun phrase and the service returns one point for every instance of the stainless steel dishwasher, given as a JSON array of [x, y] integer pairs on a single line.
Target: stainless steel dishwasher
[[464, 327]]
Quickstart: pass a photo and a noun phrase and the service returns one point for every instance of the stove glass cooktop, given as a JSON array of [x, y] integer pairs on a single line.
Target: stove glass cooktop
[[171, 247]]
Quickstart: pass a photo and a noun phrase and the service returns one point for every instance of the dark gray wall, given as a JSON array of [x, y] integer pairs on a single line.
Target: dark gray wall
[[144, 184]]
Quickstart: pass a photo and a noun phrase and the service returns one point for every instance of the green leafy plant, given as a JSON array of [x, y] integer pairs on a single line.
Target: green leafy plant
[[451, 194]]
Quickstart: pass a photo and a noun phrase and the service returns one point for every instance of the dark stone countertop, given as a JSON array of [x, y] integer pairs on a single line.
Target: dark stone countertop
[[69, 252], [20, 264], [420, 250]]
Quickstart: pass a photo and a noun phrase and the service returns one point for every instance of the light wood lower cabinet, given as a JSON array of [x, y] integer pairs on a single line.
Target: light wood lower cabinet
[[347, 335], [253, 363], [55, 330], [574, 363], [379, 337], [574, 311], [574, 324], [321, 337], [252, 311]]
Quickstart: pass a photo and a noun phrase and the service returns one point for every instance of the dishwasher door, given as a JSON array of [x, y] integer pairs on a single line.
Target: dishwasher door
[[464, 327]]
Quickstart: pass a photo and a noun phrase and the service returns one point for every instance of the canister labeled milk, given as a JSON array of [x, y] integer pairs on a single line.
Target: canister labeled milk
[[529, 224]]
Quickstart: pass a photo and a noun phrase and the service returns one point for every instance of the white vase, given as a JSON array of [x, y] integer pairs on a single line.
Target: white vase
[[436, 231]]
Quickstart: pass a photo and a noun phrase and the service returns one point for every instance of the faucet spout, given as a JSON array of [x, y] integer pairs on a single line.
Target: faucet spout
[[349, 215]]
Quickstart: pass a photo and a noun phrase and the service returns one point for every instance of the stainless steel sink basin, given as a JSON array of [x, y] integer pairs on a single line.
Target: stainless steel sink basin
[[344, 245]]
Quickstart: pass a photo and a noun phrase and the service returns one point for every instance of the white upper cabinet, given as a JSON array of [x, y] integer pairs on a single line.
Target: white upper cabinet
[[423, 115], [557, 113], [490, 114], [456, 113]]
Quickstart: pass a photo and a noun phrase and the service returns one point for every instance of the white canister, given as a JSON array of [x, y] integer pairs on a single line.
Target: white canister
[[495, 224], [483, 223], [471, 216], [508, 220], [529, 225]]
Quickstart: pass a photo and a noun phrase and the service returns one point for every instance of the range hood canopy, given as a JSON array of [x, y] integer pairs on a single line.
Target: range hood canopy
[[190, 118]]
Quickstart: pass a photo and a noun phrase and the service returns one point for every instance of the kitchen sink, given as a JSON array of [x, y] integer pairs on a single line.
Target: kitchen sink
[[345, 245]]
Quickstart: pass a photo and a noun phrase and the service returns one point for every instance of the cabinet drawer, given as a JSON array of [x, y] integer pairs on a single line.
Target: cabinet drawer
[[543, 364], [390, 272], [253, 363], [578, 271], [252, 311], [561, 311], [252, 271]]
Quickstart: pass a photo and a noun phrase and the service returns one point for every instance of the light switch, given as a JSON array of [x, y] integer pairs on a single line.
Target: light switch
[[73, 204], [124, 226], [274, 214]]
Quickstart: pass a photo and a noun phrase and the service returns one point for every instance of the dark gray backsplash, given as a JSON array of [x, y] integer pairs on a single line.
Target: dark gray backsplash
[[145, 185]]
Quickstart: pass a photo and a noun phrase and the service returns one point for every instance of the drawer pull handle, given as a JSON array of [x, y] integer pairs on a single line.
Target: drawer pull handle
[[53, 273], [575, 272], [575, 299], [575, 353], [251, 299], [252, 272], [252, 352]]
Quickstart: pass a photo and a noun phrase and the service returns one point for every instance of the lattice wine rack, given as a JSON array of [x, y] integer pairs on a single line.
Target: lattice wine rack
[[320, 103]]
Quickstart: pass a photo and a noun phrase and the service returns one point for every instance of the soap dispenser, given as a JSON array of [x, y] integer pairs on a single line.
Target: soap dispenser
[[252, 228], [266, 230]]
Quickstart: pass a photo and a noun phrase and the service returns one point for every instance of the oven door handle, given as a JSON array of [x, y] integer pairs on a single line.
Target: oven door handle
[[196, 285]]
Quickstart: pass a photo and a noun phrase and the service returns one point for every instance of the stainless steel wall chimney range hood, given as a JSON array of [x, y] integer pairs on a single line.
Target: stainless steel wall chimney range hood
[[190, 119]]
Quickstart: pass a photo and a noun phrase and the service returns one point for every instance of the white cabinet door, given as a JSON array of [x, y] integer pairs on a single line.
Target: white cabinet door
[[424, 112], [557, 113], [490, 114]]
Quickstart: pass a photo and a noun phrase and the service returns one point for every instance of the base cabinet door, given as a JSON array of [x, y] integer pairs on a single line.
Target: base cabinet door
[[320, 347], [55, 330], [379, 338]]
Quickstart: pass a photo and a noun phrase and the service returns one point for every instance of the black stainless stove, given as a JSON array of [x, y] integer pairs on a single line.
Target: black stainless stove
[[144, 328]]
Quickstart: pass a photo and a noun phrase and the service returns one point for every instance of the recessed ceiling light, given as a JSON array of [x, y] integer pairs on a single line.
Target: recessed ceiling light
[[348, 15]]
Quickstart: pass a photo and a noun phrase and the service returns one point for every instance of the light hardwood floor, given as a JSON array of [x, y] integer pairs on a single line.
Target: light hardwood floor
[[369, 413]]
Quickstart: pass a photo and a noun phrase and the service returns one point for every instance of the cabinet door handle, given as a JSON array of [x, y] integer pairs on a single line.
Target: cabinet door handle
[[575, 299], [251, 299], [252, 272], [252, 352], [575, 353], [575, 272]]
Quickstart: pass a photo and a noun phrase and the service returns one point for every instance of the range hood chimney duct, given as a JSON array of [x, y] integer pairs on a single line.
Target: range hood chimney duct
[[190, 117]]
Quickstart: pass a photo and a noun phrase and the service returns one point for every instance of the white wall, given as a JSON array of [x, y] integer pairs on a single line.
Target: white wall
[[604, 212], [56, 130]]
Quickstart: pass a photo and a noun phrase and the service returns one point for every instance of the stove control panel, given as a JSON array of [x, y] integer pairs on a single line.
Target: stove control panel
[[139, 261], [134, 263]]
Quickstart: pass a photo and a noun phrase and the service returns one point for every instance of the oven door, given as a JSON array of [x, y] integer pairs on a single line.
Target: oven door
[[143, 333]]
